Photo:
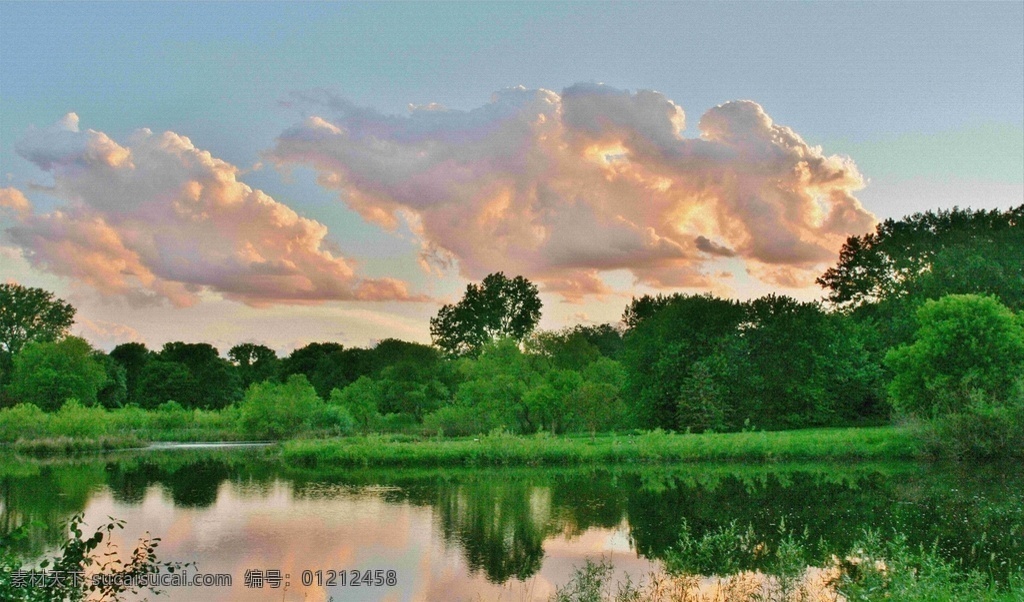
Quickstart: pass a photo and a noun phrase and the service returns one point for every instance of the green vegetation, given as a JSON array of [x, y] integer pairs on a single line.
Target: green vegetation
[[83, 555], [502, 449], [908, 336]]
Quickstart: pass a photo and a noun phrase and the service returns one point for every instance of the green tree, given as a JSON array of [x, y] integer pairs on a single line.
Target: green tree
[[965, 346], [133, 357], [499, 307], [660, 352], [254, 363], [26, 315], [362, 400], [932, 254], [275, 410], [31, 314], [48, 374], [212, 379]]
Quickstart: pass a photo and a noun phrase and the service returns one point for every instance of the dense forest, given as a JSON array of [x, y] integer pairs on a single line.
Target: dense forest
[[921, 318]]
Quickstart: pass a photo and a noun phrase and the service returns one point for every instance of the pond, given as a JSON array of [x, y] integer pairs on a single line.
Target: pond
[[513, 534]]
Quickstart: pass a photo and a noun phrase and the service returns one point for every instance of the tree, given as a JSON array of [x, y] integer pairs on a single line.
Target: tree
[[31, 314], [496, 308], [48, 374], [660, 352], [932, 254], [646, 306], [965, 346], [212, 381], [254, 363], [276, 410], [133, 357]]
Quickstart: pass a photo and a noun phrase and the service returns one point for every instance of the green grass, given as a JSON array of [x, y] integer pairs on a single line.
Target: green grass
[[875, 443]]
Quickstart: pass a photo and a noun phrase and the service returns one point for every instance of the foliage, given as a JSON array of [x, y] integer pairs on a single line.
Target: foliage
[[660, 352], [499, 448], [496, 308], [254, 363], [132, 357], [23, 420], [81, 555], [361, 400], [31, 315], [982, 431], [965, 346], [212, 382], [47, 374], [932, 254], [272, 410]]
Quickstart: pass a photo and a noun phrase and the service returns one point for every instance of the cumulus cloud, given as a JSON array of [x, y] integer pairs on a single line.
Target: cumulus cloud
[[14, 200], [563, 187], [158, 219]]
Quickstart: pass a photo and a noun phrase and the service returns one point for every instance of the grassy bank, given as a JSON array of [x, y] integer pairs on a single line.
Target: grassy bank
[[509, 450]]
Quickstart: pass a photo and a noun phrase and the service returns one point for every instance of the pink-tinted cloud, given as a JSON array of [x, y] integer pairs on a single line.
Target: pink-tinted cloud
[[563, 187], [14, 201], [158, 219]]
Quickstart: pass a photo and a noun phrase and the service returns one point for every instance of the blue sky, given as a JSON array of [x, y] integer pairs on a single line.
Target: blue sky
[[927, 99]]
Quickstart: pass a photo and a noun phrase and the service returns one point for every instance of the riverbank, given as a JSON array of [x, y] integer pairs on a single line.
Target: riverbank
[[866, 443]]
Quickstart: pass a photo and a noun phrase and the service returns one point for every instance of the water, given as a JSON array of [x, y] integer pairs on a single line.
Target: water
[[512, 534]]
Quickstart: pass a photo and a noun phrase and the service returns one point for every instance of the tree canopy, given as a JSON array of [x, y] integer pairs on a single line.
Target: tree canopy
[[31, 314], [498, 307], [932, 254], [965, 345]]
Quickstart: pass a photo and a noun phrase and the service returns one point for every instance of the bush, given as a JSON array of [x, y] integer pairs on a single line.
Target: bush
[[24, 420], [75, 420], [335, 418], [272, 410], [460, 420], [982, 431], [361, 399]]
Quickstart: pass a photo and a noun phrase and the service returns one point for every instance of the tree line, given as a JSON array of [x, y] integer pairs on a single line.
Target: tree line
[[921, 317]]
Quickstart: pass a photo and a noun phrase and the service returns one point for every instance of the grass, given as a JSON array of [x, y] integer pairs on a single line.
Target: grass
[[501, 449]]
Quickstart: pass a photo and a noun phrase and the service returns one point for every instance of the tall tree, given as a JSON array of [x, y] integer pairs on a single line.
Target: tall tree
[[255, 363], [31, 314], [932, 254], [133, 357], [498, 307]]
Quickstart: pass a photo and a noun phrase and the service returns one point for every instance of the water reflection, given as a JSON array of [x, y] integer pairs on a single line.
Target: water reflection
[[482, 534]]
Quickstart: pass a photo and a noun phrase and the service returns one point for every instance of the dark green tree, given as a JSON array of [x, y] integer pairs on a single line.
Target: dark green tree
[[212, 379], [254, 363], [931, 254], [132, 357], [498, 307], [661, 350]]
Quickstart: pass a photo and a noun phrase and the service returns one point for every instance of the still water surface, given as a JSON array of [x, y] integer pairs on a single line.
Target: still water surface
[[512, 534]]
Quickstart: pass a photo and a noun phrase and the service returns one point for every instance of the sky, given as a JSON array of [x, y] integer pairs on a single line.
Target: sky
[[289, 173]]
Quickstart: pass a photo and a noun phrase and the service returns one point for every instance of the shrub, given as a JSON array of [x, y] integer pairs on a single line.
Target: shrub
[[75, 420], [460, 420], [24, 420]]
